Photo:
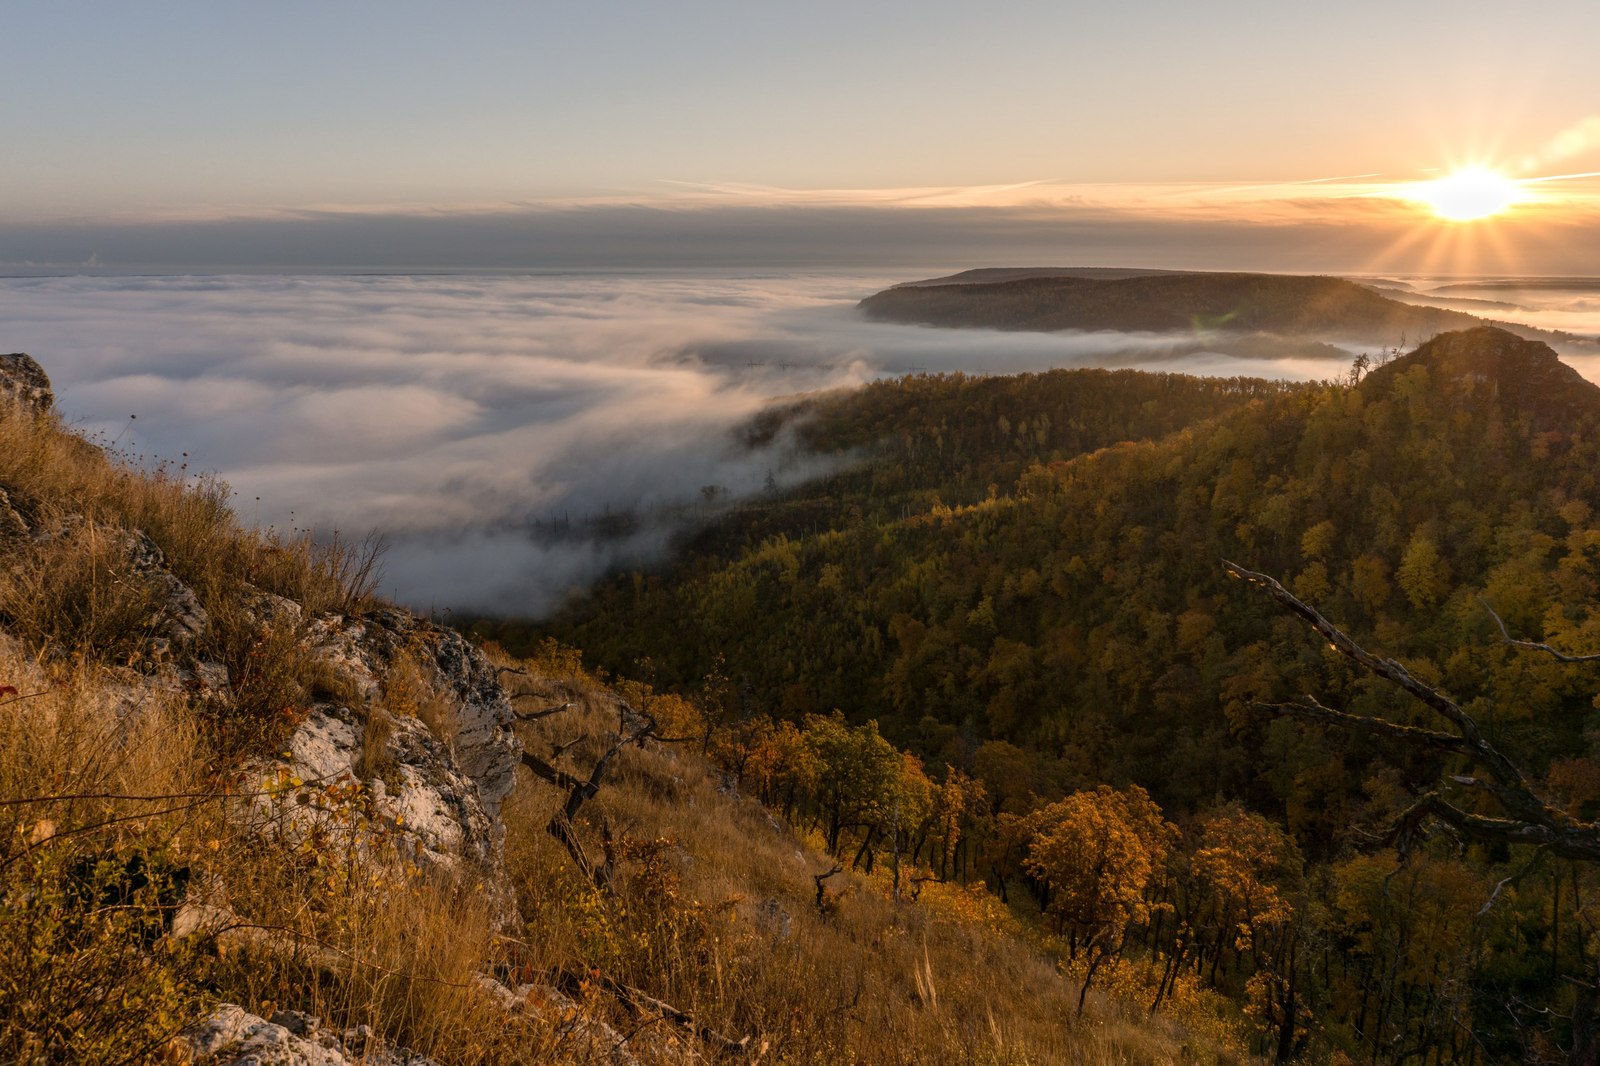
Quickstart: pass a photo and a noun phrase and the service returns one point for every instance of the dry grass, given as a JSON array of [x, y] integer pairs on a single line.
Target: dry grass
[[74, 591], [53, 475], [407, 693], [104, 773], [102, 794], [715, 913], [100, 769]]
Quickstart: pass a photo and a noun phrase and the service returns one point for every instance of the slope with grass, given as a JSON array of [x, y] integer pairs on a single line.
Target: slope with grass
[[250, 813]]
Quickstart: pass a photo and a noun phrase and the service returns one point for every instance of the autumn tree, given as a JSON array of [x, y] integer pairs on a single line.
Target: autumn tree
[[1098, 852], [858, 773]]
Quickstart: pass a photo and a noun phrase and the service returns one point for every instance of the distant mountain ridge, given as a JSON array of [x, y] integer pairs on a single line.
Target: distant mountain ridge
[[1289, 305]]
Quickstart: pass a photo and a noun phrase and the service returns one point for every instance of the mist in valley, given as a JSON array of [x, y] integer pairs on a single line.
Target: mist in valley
[[515, 437]]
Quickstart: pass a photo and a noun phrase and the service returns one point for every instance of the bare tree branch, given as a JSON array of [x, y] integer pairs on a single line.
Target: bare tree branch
[[534, 716], [1532, 644], [822, 892], [579, 791], [1510, 880], [1519, 796], [1531, 820], [1311, 709]]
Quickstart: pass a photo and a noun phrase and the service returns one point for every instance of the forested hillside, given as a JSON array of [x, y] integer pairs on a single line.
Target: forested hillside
[[1072, 628]]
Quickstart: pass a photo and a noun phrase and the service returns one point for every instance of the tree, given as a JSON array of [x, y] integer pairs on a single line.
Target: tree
[[858, 772], [1098, 852], [1520, 817]]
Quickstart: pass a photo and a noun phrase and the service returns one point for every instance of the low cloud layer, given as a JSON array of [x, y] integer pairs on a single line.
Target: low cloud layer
[[466, 416], [1309, 228]]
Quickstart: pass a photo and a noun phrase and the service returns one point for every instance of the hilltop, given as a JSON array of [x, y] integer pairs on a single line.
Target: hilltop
[[1278, 304]]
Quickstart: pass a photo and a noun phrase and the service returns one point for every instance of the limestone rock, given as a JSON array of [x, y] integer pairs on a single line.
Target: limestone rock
[[232, 1036], [476, 711], [24, 382], [179, 620], [582, 1039], [435, 766]]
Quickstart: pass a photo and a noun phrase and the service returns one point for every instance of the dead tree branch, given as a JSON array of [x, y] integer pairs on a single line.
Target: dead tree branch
[[1534, 645], [580, 791], [822, 892], [534, 716], [1530, 819]]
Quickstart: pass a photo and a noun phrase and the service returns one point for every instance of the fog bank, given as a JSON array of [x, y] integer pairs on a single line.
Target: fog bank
[[478, 421]]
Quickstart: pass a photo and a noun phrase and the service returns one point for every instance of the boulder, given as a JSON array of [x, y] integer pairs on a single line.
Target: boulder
[[24, 382], [232, 1036]]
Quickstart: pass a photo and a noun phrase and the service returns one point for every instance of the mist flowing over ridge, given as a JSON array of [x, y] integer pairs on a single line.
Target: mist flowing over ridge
[[492, 425], [460, 413]]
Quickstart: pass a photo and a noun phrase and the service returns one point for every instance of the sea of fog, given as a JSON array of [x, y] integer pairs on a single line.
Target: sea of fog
[[462, 416]]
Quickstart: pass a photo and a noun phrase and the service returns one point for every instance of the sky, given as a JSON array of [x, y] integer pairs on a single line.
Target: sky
[[401, 135]]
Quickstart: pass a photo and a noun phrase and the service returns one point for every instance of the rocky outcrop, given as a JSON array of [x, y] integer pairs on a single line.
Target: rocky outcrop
[[421, 721], [401, 741], [178, 620], [476, 712], [24, 381], [232, 1036]]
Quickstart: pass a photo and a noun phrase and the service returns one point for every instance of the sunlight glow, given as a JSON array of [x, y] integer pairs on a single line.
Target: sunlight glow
[[1468, 194]]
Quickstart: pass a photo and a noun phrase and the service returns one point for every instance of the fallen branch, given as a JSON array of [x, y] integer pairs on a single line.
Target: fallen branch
[[534, 716], [639, 1002]]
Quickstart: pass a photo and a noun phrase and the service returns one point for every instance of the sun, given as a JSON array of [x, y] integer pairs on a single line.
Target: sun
[[1468, 194]]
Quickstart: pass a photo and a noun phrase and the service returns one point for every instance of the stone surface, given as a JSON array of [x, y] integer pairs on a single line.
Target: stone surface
[[434, 786], [179, 618], [24, 381], [478, 713], [232, 1036], [582, 1039]]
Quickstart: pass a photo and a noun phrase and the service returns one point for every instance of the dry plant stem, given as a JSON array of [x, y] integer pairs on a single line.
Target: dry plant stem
[[1531, 820]]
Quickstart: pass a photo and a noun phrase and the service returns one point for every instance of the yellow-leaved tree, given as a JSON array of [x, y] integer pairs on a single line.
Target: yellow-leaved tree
[[1098, 852]]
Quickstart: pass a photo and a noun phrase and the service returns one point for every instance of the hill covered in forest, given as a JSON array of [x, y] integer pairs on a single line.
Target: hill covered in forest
[[1072, 628], [1282, 305], [251, 813]]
